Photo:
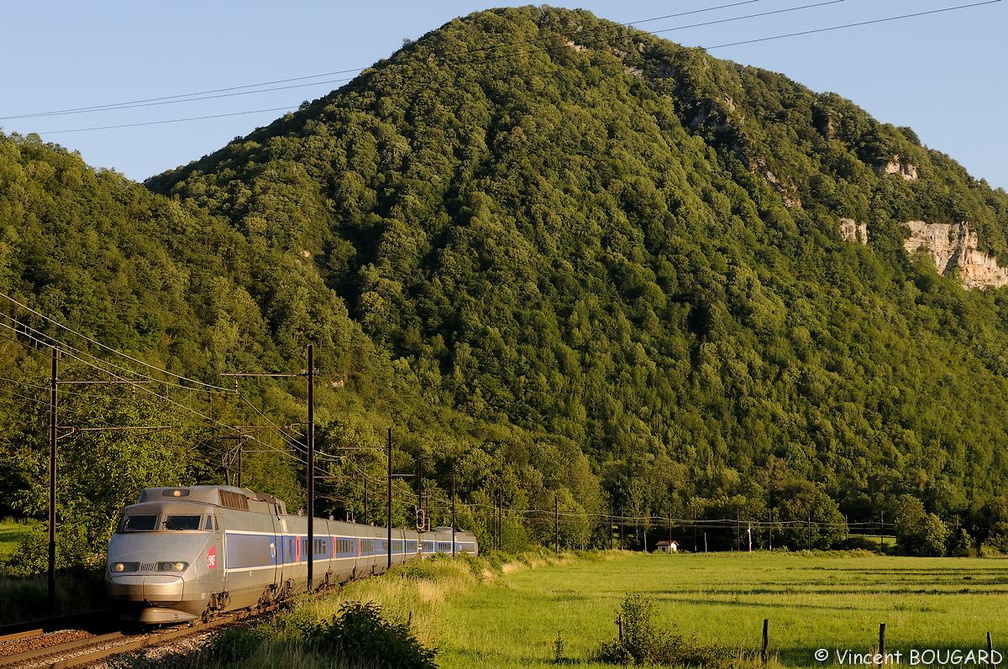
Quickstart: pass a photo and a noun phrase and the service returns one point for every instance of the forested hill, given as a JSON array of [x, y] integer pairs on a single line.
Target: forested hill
[[571, 225], [548, 234]]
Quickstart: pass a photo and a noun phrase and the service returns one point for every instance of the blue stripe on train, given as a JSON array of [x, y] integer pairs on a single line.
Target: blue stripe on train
[[245, 551]]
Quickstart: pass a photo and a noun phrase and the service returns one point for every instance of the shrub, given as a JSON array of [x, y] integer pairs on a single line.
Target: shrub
[[862, 543], [233, 644], [641, 642], [360, 636]]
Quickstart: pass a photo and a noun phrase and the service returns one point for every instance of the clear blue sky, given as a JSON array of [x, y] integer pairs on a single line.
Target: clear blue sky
[[941, 74]]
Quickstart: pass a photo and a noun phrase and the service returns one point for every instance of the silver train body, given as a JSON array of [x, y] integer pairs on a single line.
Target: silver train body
[[188, 553]]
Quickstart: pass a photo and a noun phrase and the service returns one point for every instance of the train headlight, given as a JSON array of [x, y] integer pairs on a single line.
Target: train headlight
[[172, 566], [120, 567]]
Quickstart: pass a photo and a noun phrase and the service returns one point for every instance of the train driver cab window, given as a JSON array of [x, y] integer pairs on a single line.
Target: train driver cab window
[[182, 523], [139, 523], [208, 524]]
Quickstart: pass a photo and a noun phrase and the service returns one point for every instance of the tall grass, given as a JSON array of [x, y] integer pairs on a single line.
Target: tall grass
[[414, 595], [26, 597], [12, 533], [539, 611], [825, 600]]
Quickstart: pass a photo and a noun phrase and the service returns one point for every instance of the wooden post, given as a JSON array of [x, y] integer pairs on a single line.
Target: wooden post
[[738, 530], [990, 651], [453, 508], [388, 519], [53, 444], [311, 464], [766, 640], [610, 527], [556, 523], [881, 643]]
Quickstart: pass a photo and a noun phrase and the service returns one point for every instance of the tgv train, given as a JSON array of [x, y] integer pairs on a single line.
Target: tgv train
[[188, 553]]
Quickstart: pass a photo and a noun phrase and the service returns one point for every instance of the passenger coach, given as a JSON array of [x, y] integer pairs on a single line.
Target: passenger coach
[[190, 552]]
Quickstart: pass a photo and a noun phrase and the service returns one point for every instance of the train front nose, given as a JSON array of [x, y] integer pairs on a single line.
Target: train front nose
[[152, 568], [146, 587]]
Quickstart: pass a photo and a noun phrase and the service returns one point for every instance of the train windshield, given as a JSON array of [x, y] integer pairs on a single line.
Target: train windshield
[[139, 523], [182, 522]]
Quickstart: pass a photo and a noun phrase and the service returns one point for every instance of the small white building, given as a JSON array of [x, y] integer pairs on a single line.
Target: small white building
[[668, 546]]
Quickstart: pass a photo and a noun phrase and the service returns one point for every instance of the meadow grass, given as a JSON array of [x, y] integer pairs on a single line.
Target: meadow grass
[[540, 610], [11, 534], [25, 597], [813, 601]]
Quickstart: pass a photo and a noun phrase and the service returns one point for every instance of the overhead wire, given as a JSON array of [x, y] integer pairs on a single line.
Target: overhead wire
[[170, 99], [692, 11], [90, 361], [104, 347], [749, 16], [174, 99], [245, 89], [119, 126], [119, 374], [854, 25]]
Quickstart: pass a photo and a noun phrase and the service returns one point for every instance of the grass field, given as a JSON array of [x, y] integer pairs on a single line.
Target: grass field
[[11, 533], [831, 602]]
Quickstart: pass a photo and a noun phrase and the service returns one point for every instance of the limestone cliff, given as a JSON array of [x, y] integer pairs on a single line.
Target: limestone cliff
[[954, 248], [852, 231]]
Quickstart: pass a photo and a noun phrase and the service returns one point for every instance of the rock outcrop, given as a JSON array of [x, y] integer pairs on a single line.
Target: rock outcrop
[[852, 231], [953, 246], [903, 168]]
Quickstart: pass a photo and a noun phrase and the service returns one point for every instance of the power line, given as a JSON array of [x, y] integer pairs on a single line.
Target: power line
[[749, 16], [694, 11], [853, 25], [165, 121], [93, 362], [168, 99], [205, 97], [110, 349], [192, 97]]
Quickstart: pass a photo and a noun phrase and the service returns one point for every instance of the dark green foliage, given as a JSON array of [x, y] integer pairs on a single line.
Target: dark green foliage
[[558, 650], [587, 266], [645, 265], [232, 645], [361, 637], [919, 532], [642, 642]]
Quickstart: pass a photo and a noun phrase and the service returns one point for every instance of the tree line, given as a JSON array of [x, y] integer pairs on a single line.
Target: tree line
[[603, 269]]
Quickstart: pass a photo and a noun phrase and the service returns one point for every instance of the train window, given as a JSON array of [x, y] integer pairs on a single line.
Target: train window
[[182, 523], [139, 523], [209, 524]]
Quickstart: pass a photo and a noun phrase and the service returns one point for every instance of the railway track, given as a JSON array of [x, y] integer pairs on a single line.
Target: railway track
[[40, 626], [73, 647]]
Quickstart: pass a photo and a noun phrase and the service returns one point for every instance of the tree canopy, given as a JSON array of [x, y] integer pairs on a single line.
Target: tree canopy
[[570, 261]]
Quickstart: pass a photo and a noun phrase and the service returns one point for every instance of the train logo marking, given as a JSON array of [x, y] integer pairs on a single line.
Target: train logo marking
[[211, 558]]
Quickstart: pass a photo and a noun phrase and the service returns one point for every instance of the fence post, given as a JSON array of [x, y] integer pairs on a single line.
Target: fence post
[[990, 651], [881, 643], [766, 640]]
